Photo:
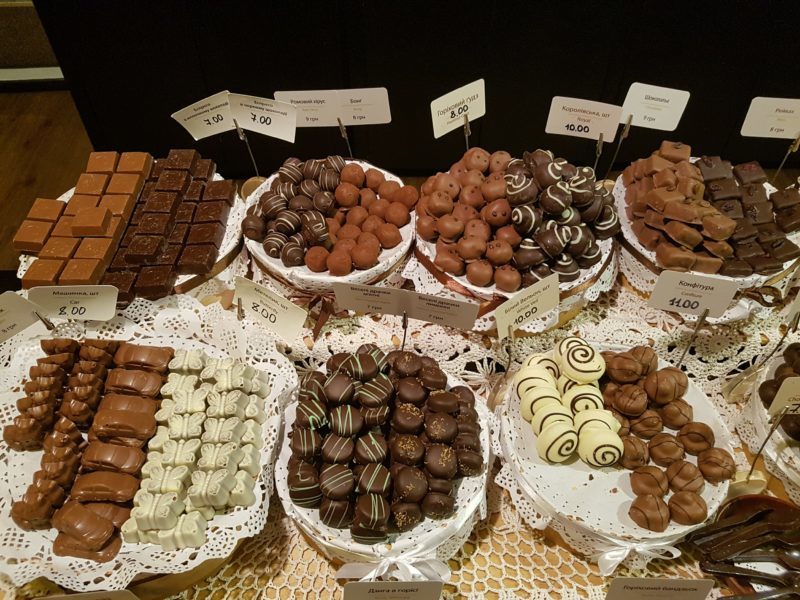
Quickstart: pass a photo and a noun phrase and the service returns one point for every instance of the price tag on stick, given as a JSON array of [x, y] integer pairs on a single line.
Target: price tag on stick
[[583, 118], [535, 301], [654, 107], [447, 112], [265, 116], [273, 311], [324, 108], [692, 294], [16, 314], [206, 117], [77, 302]]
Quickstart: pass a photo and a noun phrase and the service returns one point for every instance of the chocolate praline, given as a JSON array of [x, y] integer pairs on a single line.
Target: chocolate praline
[[370, 448], [684, 476], [445, 402], [346, 420], [407, 418], [339, 389], [410, 485], [372, 512], [441, 461], [665, 449], [634, 453], [438, 506], [507, 278], [336, 513], [471, 247], [499, 252], [406, 364], [649, 480], [441, 427], [432, 378], [407, 449], [373, 478], [406, 515], [375, 417], [337, 449], [687, 508], [478, 228], [411, 390], [696, 437], [480, 273], [649, 512]]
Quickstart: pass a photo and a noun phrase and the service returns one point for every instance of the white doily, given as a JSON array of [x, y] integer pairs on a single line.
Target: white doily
[[181, 322]]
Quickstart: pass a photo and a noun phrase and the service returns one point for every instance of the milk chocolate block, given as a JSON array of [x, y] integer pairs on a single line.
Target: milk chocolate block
[[24, 433], [134, 382], [120, 205], [212, 212], [135, 162], [119, 423], [675, 151], [101, 249], [91, 367], [91, 184], [749, 172], [96, 353], [162, 202], [91, 222], [173, 181], [718, 227], [185, 212], [104, 486], [59, 346], [102, 162], [691, 188], [195, 191], [686, 211], [99, 456], [116, 229], [125, 183], [63, 227], [658, 198], [46, 210], [204, 169], [647, 236], [155, 282], [206, 233], [655, 163], [788, 220], [158, 168], [683, 234], [713, 168], [130, 403], [723, 189], [31, 236], [159, 224], [59, 248], [781, 199], [745, 250], [730, 208], [687, 169], [66, 545], [179, 233], [42, 272], [143, 248], [753, 194], [65, 360], [80, 201], [674, 257], [224, 189], [197, 260], [76, 411], [736, 268], [123, 281], [81, 271], [654, 219], [79, 522], [719, 249]]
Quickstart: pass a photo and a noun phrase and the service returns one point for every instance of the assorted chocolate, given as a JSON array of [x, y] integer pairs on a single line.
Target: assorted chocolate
[[132, 222], [709, 216], [110, 391], [329, 215], [790, 367], [379, 441], [510, 222]]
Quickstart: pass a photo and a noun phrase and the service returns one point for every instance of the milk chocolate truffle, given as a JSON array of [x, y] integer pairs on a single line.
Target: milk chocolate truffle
[[478, 228], [397, 214], [374, 179], [498, 161], [337, 449], [471, 195], [649, 480], [389, 235], [665, 449], [647, 424], [345, 245], [499, 252], [336, 513], [477, 158], [676, 414], [339, 263], [687, 508], [623, 368], [649, 512], [406, 515], [464, 213], [471, 247], [507, 278], [364, 256], [493, 188], [631, 400], [716, 465], [353, 174], [450, 228], [634, 453], [508, 234], [316, 259], [426, 228], [356, 216], [441, 461], [253, 228], [696, 437], [480, 273], [685, 477], [646, 356], [449, 262], [446, 183], [666, 385], [497, 213], [324, 202]]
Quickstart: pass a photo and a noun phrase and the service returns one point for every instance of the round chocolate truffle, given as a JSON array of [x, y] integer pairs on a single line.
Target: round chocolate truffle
[[446, 402], [407, 418], [426, 228], [352, 173], [389, 235], [441, 427], [631, 400], [316, 259], [406, 515], [480, 273], [687, 508], [684, 476], [410, 485], [634, 453], [410, 390], [507, 278], [438, 506], [407, 449], [441, 461], [676, 414], [499, 252], [337, 449], [470, 247], [449, 227], [336, 513], [696, 437], [292, 254], [398, 215], [370, 448], [665, 449], [716, 465], [478, 228], [649, 480], [346, 421], [647, 424], [253, 228], [647, 356], [497, 213], [336, 482], [339, 263], [649, 512], [364, 256]]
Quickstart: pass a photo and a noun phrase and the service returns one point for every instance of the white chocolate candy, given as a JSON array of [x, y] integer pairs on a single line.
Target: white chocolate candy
[[550, 414], [227, 404], [532, 377], [162, 480], [221, 431], [130, 532], [543, 360], [561, 348], [251, 460], [211, 488], [255, 409], [252, 434], [213, 365], [189, 532], [582, 397], [188, 361], [178, 381], [565, 384], [599, 447], [177, 452], [208, 512], [242, 492], [183, 427], [557, 442], [582, 363], [153, 462], [156, 511], [535, 398], [192, 401], [591, 419], [157, 441], [220, 456]]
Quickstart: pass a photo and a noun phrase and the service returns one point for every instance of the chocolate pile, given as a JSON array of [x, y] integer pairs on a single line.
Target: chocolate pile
[[512, 221], [84, 487], [644, 399], [132, 222], [329, 215], [377, 442], [709, 216], [769, 388]]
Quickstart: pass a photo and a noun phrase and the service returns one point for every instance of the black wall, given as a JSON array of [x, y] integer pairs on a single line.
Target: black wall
[[131, 63]]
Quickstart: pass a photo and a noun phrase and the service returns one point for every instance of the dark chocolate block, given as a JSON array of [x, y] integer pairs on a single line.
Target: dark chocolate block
[[179, 233], [787, 198], [168, 257], [750, 172], [753, 194], [713, 168], [162, 202], [769, 232], [747, 250], [782, 250], [137, 214], [788, 220], [730, 208], [723, 189], [119, 263], [129, 233], [185, 212], [204, 169], [143, 248], [195, 192], [206, 233], [745, 230], [155, 282], [155, 224], [736, 268], [158, 168], [759, 213], [173, 181], [123, 281], [182, 160], [765, 265], [212, 212], [197, 260], [220, 190]]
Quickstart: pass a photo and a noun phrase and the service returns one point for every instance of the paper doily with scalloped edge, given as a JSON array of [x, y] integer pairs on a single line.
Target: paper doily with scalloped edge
[[27, 555]]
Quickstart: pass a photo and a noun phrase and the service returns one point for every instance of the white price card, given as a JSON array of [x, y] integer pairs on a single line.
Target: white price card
[[275, 312], [652, 588], [78, 302], [16, 314], [772, 118], [692, 294], [393, 301], [207, 117], [788, 395], [654, 107], [262, 115], [323, 108], [116, 595], [447, 112], [393, 590], [532, 303], [315, 108], [583, 118]]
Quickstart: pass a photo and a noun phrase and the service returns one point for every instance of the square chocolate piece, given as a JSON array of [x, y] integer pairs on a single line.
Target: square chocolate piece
[[195, 192], [119, 263], [148, 188], [713, 168], [138, 213], [63, 227], [759, 213], [224, 189], [730, 208], [185, 212], [101, 249], [102, 162], [781, 199], [42, 271], [123, 281], [212, 212], [116, 229], [46, 210], [158, 168], [162, 202], [745, 231], [736, 268], [204, 169], [128, 236], [143, 248], [125, 183], [168, 257], [782, 250], [155, 282], [91, 184], [79, 271], [91, 222], [135, 162], [78, 202], [753, 194], [31, 236], [197, 260], [675, 151], [206, 233], [769, 232], [120, 205], [179, 233], [59, 248], [723, 189], [155, 224], [788, 220], [182, 160], [173, 181], [745, 250], [765, 265], [749, 172]]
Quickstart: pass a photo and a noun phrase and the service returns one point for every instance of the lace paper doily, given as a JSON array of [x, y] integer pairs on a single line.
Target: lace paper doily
[[181, 322]]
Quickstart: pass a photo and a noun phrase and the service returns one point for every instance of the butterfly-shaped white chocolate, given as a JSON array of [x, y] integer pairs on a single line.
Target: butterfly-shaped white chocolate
[[252, 434], [251, 460], [178, 452], [157, 441], [242, 492], [156, 511], [130, 532], [191, 401], [153, 461], [221, 431], [207, 511], [220, 456], [184, 427], [178, 381], [167, 479], [227, 404], [211, 488], [215, 364], [189, 532], [188, 361], [255, 408]]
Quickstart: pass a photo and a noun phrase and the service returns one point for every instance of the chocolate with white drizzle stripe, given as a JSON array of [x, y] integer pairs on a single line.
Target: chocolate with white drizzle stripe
[[336, 482]]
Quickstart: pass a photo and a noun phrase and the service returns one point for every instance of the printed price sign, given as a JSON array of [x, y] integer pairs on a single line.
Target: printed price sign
[[206, 117], [275, 312], [118, 595], [788, 395], [583, 118], [447, 112], [262, 115], [638, 588], [692, 294], [16, 314], [322, 108], [537, 300], [654, 107], [393, 590], [78, 302], [392, 301], [772, 118]]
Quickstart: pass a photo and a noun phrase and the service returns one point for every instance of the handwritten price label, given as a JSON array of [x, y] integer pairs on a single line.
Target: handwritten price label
[[79, 302], [206, 117], [534, 302], [447, 112], [275, 312], [692, 294], [654, 107], [265, 116], [772, 118], [583, 118], [16, 314]]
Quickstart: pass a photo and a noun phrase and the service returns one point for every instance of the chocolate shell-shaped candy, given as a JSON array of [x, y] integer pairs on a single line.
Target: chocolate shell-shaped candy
[[520, 190], [569, 217], [556, 198], [526, 219], [273, 244], [590, 257], [591, 212], [552, 241], [287, 222], [579, 239], [607, 224], [537, 157], [582, 190], [528, 255], [566, 267], [548, 174]]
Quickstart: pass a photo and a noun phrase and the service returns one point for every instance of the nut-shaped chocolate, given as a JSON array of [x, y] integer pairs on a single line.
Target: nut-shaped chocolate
[[716, 465], [666, 385], [647, 424], [634, 453], [497, 213], [665, 449], [547, 173], [478, 228], [649, 512], [649, 480], [498, 161], [450, 228], [687, 508], [647, 356], [683, 476], [526, 219], [696, 437]]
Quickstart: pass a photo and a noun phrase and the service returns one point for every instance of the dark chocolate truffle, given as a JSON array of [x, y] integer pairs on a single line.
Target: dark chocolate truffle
[[337, 449], [441, 461], [410, 485], [336, 513], [336, 482], [370, 448]]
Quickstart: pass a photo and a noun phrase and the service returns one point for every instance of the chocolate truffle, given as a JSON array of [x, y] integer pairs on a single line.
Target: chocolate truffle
[[316, 259], [649, 480], [480, 273], [696, 437], [449, 227], [372, 512], [432, 377], [665, 449], [470, 247], [407, 418], [647, 424], [389, 235], [406, 515], [441, 461], [306, 443], [499, 252], [374, 478], [716, 465], [676, 414], [687, 508], [407, 449], [370, 448], [337, 449], [410, 390], [346, 421], [353, 174], [478, 228], [397, 214], [497, 213], [684, 476], [666, 385], [438, 506], [364, 256], [336, 513], [649, 512], [631, 400], [339, 263], [507, 278], [623, 368], [410, 485], [339, 388], [634, 453]]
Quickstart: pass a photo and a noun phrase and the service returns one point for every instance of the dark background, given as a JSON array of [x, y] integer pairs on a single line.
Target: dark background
[[131, 63]]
